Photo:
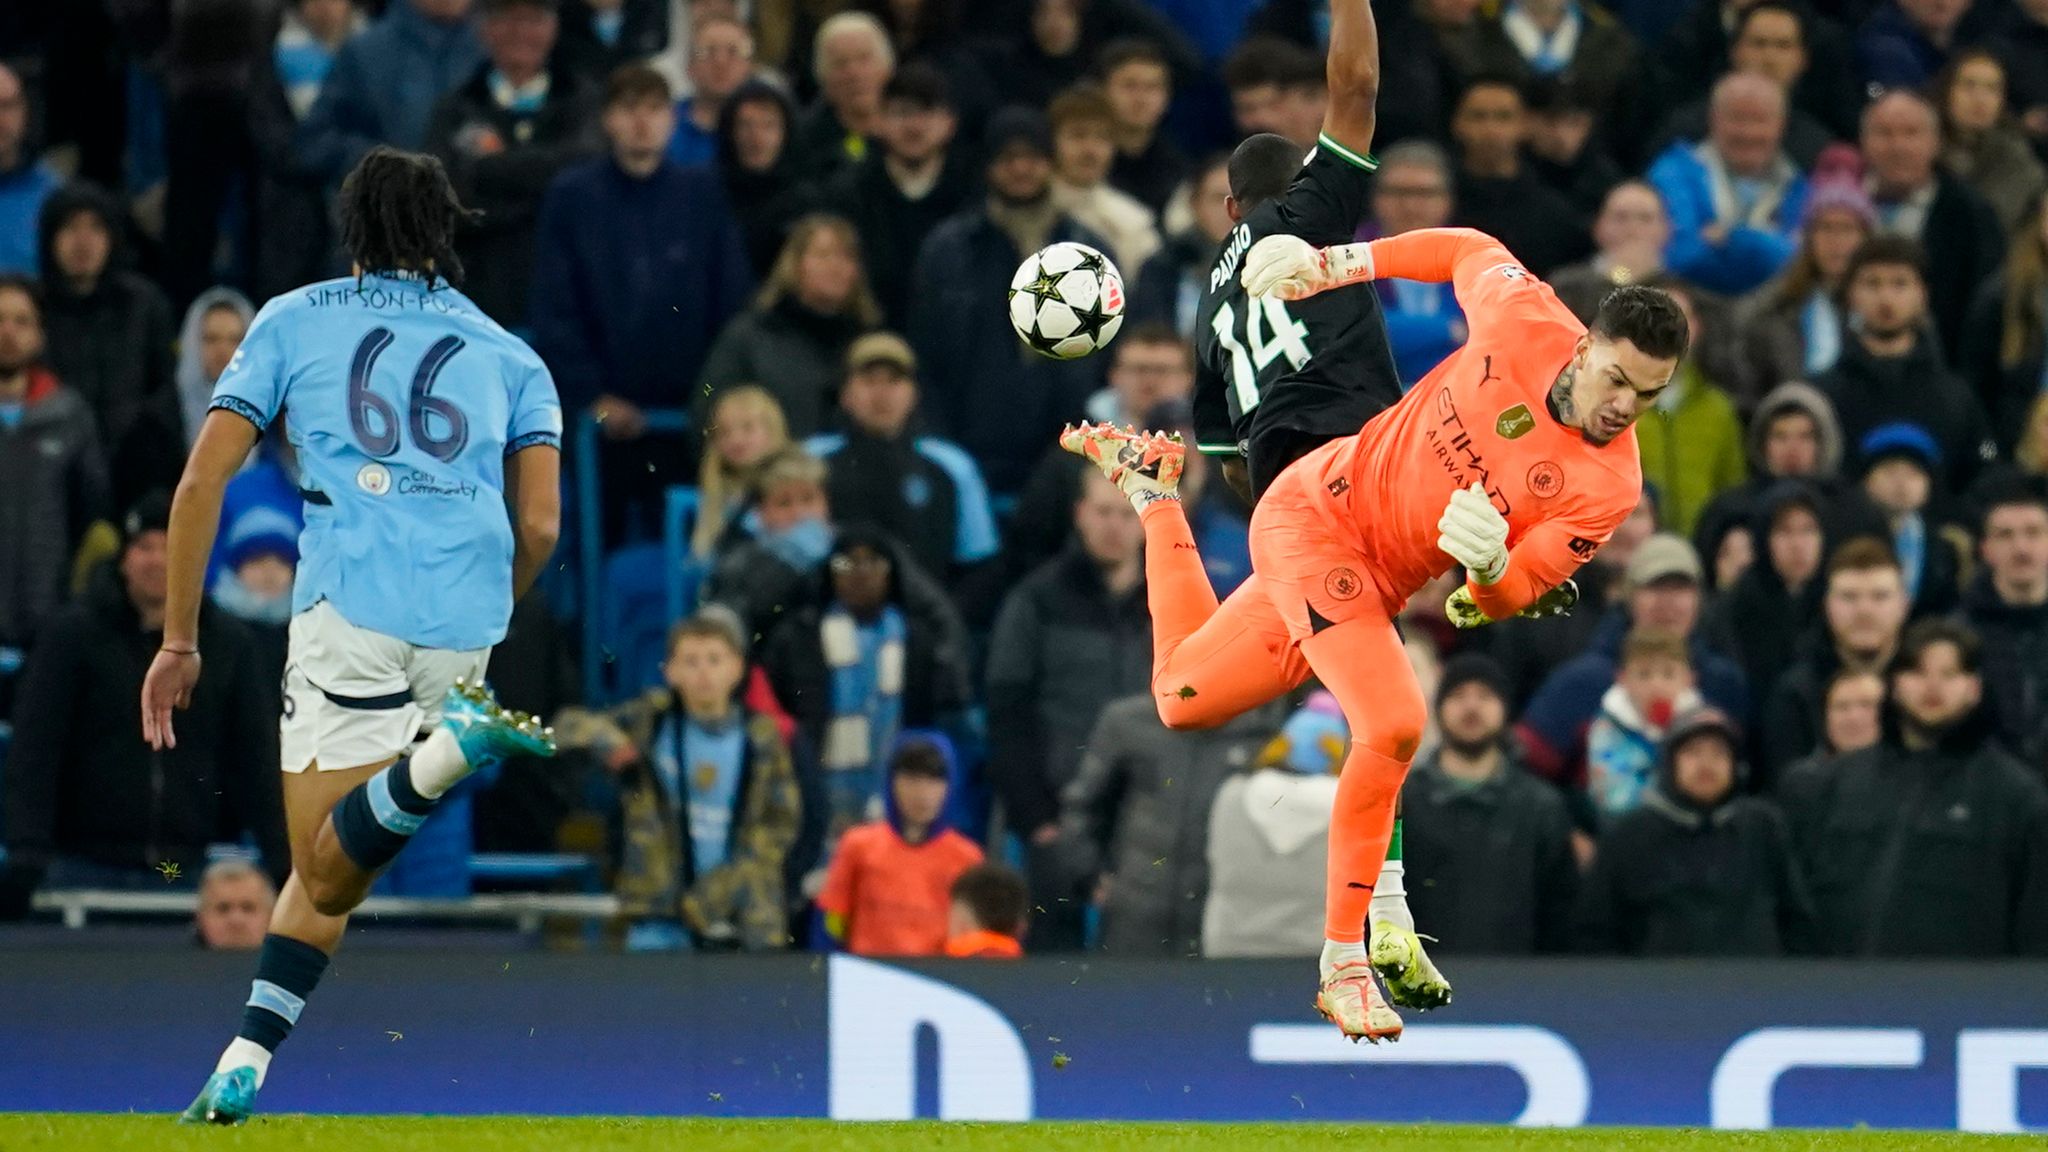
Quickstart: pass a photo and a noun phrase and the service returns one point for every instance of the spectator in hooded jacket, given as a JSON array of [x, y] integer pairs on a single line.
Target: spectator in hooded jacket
[[1699, 869], [760, 167], [1135, 819], [1486, 847], [53, 478], [152, 453], [1935, 841], [1793, 435], [87, 804], [888, 891], [1269, 833], [2008, 606], [505, 133], [1735, 198], [1776, 600], [108, 329]]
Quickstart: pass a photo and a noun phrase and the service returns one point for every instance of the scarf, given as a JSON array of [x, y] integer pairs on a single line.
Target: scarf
[[1547, 55], [865, 662], [1909, 542], [1820, 322], [1745, 201], [195, 388], [303, 62]]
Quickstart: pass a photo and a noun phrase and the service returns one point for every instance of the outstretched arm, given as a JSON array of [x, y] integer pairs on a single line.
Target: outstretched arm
[[1353, 73], [1474, 263]]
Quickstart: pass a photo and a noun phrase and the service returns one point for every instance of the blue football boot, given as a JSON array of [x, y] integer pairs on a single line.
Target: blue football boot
[[487, 733], [228, 1098]]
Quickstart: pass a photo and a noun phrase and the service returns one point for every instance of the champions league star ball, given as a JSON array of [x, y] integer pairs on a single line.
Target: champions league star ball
[[1066, 301]]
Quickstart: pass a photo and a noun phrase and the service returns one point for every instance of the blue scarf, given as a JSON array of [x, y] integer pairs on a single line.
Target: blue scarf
[[1909, 541], [1821, 323], [866, 665]]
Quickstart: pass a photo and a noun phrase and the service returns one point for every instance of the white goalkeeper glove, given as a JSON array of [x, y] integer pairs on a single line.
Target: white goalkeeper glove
[[1475, 534], [1291, 268]]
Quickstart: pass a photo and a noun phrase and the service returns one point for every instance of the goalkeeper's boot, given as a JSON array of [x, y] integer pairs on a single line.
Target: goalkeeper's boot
[[1412, 978], [228, 1098], [1351, 1000], [1145, 466], [488, 732]]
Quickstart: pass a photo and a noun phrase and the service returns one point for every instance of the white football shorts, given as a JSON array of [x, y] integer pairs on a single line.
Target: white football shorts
[[353, 697]]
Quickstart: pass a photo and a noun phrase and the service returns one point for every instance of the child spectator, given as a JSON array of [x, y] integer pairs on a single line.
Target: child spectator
[[784, 535], [708, 797], [1900, 463], [989, 912], [888, 892], [1653, 684]]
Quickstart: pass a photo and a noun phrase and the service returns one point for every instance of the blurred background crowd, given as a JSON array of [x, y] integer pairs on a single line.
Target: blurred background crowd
[[837, 622]]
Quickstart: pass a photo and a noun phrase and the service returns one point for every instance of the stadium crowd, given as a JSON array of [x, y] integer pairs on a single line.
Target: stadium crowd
[[1802, 708]]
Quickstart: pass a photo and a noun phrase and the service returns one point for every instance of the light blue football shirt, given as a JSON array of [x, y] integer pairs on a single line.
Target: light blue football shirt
[[403, 403]]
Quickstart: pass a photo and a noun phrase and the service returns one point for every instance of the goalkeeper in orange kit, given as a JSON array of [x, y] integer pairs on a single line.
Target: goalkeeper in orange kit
[[1515, 459]]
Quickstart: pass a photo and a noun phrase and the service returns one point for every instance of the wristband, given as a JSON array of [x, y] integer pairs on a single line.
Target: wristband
[[193, 651]]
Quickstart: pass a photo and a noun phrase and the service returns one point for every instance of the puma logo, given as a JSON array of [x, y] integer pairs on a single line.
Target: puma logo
[[1486, 371]]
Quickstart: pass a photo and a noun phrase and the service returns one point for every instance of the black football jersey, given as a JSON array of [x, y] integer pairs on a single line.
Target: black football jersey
[[1320, 365]]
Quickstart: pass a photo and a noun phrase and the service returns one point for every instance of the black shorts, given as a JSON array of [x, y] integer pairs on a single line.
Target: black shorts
[[1270, 450]]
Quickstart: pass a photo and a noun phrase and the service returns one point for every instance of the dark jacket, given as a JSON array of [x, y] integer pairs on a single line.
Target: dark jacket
[[1534, 220], [766, 203], [1964, 247], [2006, 391], [935, 668], [1935, 853], [111, 344], [53, 485], [1489, 867], [1673, 878], [1847, 512], [923, 491], [1608, 72], [1137, 811], [1868, 392], [2015, 656], [1528, 651], [1793, 720], [643, 32], [1062, 649], [983, 388], [1695, 54], [383, 88], [1170, 285], [893, 227], [1763, 617], [293, 237], [1152, 176], [632, 280], [506, 183], [80, 781], [798, 355]]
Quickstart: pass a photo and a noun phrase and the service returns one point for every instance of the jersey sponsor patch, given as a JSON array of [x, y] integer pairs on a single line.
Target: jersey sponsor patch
[[1583, 548]]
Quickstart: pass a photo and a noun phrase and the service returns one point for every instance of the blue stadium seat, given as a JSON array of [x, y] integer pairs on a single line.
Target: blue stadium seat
[[632, 613], [588, 531], [678, 520]]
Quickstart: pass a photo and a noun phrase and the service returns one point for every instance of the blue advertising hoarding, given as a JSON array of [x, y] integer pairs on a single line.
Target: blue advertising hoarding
[[1544, 1042]]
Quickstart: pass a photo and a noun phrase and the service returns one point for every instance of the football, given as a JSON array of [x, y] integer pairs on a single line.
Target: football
[[1066, 301]]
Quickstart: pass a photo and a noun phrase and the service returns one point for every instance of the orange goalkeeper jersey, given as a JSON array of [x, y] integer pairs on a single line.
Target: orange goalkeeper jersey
[[1482, 417]]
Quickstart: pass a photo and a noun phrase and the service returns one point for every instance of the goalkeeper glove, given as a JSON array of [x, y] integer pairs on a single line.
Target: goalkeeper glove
[[1291, 268], [1475, 534]]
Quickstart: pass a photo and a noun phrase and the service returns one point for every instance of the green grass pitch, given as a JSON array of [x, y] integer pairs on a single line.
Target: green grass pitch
[[22, 1133]]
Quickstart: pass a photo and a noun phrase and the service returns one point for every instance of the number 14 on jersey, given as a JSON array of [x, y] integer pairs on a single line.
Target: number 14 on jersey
[[1270, 333]]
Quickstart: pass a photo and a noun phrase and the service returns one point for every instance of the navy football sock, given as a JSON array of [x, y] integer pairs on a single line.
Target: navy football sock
[[286, 974], [374, 821]]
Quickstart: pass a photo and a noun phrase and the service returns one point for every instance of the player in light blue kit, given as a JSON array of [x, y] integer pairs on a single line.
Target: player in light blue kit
[[429, 443]]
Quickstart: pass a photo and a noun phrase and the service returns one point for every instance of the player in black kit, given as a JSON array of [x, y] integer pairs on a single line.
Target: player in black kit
[[1276, 379]]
